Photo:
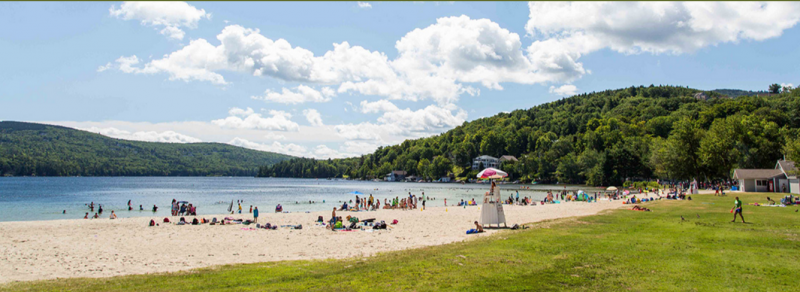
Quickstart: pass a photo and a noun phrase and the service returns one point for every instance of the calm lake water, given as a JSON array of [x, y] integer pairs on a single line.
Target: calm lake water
[[44, 198]]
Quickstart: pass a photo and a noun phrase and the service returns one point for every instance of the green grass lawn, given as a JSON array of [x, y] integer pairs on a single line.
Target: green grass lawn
[[617, 250]]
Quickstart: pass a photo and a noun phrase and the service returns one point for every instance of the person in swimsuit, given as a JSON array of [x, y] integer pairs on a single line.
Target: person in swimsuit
[[113, 216], [86, 216], [478, 227]]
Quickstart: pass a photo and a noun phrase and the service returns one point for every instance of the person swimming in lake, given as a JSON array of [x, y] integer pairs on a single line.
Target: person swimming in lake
[[86, 216], [100, 209], [155, 208], [95, 216], [141, 208]]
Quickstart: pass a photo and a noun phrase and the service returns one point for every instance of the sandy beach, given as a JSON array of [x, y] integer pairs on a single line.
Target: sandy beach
[[35, 250]]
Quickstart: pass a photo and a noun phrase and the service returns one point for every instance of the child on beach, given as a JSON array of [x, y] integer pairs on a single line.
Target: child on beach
[[86, 216], [113, 216], [737, 209]]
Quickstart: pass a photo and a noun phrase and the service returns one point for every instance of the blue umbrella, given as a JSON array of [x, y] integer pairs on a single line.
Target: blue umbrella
[[356, 193]]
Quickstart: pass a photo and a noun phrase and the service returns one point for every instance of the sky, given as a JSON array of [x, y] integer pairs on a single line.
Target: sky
[[339, 79]]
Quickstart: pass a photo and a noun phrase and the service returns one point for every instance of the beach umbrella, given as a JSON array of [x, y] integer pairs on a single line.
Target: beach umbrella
[[611, 188], [492, 173]]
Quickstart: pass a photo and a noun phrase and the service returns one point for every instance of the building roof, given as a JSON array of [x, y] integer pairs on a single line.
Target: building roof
[[787, 166], [485, 157], [757, 173], [399, 172], [508, 158]]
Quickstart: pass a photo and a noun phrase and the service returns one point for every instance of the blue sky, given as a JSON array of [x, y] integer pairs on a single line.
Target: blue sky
[[408, 69]]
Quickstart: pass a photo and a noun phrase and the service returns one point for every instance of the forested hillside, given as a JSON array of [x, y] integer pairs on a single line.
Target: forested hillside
[[598, 138], [46, 150]]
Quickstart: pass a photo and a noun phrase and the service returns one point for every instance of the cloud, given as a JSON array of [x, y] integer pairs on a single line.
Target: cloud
[[319, 151], [277, 147], [248, 119], [313, 117], [406, 122], [169, 15], [440, 62], [301, 94], [273, 136], [361, 131], [148, 136], [565, 31], [364, 5], [360, 146], [564, 90], [378, 106], [431, 119], [104, 67]]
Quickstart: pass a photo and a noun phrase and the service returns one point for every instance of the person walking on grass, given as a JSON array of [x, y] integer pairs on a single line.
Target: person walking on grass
[[737, 209]]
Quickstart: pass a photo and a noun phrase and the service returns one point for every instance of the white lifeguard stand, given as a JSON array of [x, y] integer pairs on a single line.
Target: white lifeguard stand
[[492, 208]]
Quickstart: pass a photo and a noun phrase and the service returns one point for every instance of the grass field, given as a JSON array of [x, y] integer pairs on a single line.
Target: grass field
[[617, 250]]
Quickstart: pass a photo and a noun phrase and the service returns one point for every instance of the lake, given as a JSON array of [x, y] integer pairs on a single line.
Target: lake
[[45, 198]]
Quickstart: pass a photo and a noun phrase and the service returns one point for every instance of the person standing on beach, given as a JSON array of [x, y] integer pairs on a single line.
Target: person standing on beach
[[737, 209], [371, 200], [255, 215], [240, 208], [251, 209]]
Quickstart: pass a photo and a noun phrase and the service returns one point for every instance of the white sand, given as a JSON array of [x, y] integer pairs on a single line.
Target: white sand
[[102, 247]]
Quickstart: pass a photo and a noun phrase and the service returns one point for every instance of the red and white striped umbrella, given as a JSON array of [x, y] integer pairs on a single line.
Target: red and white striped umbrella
[[492, 173]]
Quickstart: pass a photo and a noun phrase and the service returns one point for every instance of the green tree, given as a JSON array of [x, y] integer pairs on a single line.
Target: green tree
[[775, 88]]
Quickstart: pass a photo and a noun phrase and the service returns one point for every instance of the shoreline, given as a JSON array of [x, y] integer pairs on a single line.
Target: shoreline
[[39, 250]]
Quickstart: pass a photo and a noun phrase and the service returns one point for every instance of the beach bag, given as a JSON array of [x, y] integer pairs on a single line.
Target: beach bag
[[394, 221], [195, 221], [166, 220]]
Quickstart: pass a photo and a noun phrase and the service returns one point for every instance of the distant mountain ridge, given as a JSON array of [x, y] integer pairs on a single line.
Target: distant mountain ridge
[[31, 149]]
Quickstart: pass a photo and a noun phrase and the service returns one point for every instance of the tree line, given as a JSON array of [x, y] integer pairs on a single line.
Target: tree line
[[29, 149], [597, 138]]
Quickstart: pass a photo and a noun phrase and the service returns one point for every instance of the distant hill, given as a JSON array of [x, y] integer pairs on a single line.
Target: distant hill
[[738, 92], [28, 149], [606, 138]]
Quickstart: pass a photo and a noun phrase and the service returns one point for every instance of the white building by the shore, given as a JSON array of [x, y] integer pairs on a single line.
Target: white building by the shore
[[781, 179]]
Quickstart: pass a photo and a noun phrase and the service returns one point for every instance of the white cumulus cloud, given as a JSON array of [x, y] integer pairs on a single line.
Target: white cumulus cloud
[[565, 31], [301, 94], [148, 136], [364, 5], [172, 16], [247, 119], [277, 147], [313, 117], [564, 90], [378, 106]]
